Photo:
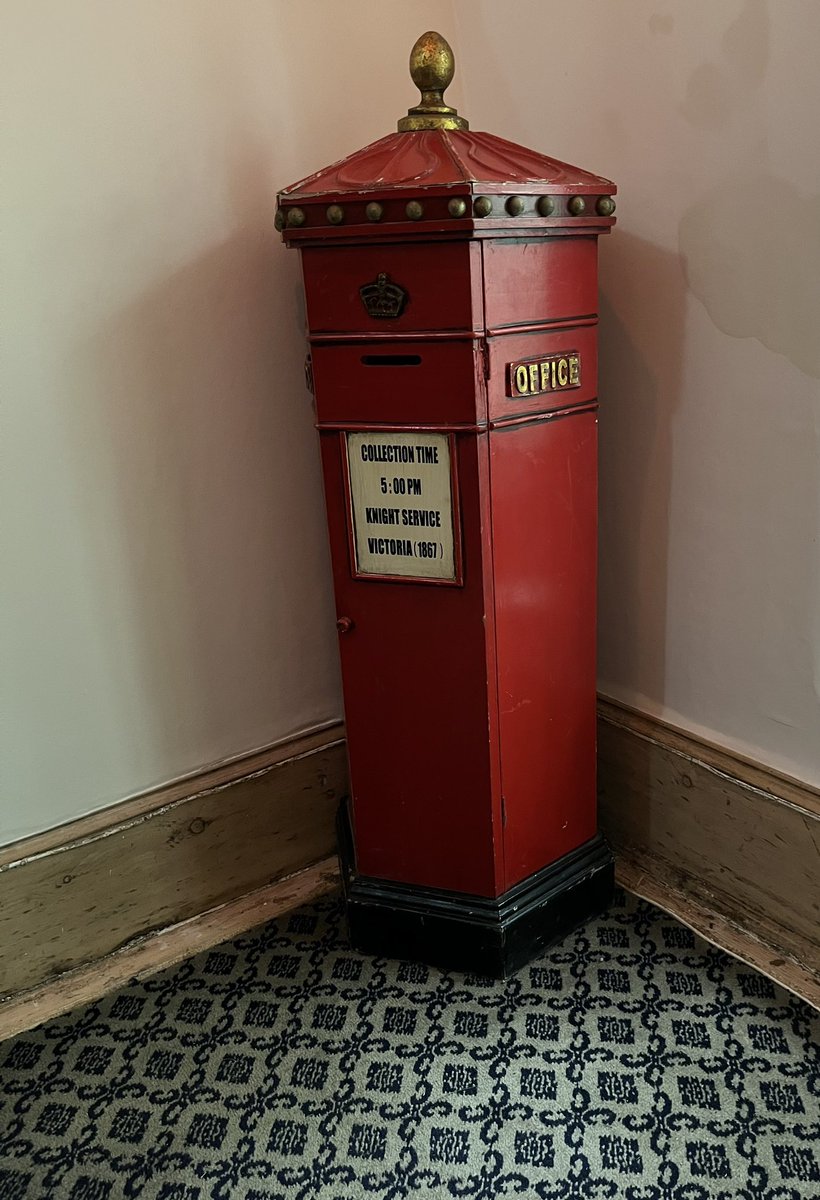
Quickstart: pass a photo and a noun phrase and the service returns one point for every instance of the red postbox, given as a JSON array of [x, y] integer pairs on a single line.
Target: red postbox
[[451, 286]]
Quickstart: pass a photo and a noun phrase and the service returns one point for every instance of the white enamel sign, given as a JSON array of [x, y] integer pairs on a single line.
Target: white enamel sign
[[401, 500]]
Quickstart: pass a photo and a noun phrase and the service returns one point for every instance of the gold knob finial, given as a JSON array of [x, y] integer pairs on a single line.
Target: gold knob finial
[[432, 66]]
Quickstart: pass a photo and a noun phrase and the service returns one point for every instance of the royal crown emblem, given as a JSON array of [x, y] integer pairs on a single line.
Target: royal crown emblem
[[383, 299]]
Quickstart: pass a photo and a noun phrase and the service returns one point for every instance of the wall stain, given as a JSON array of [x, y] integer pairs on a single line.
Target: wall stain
[[709, 99], [745, 43], [715, 88], [751, 255], [661, 23]]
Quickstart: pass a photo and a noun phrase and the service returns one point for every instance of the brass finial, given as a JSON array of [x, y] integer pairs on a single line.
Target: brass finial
[[432, 67]]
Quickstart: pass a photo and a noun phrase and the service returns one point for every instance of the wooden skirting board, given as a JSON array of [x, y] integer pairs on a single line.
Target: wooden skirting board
[[73, 896], [144, 956], [728, 846]]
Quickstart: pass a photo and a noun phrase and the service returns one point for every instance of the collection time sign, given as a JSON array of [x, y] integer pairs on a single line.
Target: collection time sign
[[401, 505]]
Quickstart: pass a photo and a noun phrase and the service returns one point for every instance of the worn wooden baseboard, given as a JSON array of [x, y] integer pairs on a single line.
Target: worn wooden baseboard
[[144, 956], [75, 895], [648, 882], [729, 847]]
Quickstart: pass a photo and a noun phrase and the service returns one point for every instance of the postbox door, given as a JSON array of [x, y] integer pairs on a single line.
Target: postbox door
[[419, 709]]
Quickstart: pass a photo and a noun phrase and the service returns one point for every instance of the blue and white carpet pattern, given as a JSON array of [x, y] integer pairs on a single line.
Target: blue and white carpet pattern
[[632, 1061]]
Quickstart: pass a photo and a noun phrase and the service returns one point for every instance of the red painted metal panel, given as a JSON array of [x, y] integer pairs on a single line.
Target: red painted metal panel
[[442, 282], [439, 227], [361, 383], [552, 279], [582, 339], [420, 703], [544, 521]]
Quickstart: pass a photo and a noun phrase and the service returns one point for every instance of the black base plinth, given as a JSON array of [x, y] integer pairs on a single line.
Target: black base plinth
[[490, 937]]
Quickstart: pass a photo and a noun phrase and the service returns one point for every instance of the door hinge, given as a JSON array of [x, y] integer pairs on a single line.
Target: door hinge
[[485, 359], [309, 374]]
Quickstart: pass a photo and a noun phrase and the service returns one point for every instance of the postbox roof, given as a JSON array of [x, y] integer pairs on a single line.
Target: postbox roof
[[435, 177], [445, 158]]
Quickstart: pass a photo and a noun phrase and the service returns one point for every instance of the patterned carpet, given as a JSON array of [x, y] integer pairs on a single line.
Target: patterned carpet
[[632, 1061]]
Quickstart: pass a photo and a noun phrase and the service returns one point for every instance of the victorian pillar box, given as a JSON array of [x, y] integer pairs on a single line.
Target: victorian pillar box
[[451, 286]]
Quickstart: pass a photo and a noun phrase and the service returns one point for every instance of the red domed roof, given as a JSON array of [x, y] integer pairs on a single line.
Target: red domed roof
[[433, 159], [434, 177]]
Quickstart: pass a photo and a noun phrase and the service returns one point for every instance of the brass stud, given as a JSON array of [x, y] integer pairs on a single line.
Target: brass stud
[[414, 210], [605, 206], [577, 205], [545, 206], [279, 220], [457, 207], [515, 206], [296, 217], [374, 211], [335, 214], [483, 206]]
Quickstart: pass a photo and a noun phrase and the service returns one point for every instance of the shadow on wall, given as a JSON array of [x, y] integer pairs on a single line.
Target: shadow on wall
[[207, 447], [640, 357], [640, 383]]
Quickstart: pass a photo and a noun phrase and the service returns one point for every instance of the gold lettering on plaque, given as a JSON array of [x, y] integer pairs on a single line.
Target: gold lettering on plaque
[[535, 376]]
